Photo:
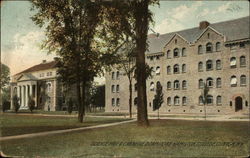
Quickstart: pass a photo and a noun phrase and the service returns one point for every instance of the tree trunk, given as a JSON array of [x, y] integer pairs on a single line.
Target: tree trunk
[[82, 108], [141, 29], [79, 100], [130, 98]]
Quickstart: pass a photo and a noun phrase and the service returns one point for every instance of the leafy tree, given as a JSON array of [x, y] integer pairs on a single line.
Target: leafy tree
[[16, 103], [31, 104], [70, 106], [4, 85], [158, 99], [98, 96]]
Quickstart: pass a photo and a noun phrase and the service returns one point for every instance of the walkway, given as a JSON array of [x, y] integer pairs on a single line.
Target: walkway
[[62, 131]]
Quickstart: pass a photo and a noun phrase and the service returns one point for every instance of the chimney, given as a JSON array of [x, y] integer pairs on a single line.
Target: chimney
[[44, 61], [203, 25]]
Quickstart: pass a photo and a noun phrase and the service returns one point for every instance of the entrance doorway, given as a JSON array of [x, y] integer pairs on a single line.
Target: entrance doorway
[[238, 104]]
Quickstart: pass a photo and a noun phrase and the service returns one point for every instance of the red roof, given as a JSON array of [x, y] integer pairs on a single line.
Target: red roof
[[39, 67]]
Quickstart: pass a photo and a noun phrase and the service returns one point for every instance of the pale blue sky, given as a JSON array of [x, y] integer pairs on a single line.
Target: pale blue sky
[[20, 37]]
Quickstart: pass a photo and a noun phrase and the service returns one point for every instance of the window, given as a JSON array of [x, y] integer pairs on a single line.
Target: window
[[176, 69], [209, 82], [176, 84], [175, 41], [158, 84], [201, 83], [135, 101], [176, 52], [50, 73], [157, 72], [233, 62], [169, 100], [168, 85], [242, 61], [218, 64], [151, 58], [243, 80], [135, 86], [184, 84], [184, 52], [113, 101], [169, 70], [209, 99], [117, 101], [183, 68], [233, 81], [48, 87], [113, 88], [200, 66], [200, 49], [168, 54], [209, 48], [117, 88], [218, 100], [242, 45], [200, 100], [117, 75], [218, 82], [246, 103], [113, 75], [47, 73], [42, 75], [184, 100], [152, 86], [176, 100], [218, 46], [208, 35], [209, 65]]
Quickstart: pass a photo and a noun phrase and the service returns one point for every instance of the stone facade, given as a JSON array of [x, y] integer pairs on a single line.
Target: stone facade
[[184, 63]]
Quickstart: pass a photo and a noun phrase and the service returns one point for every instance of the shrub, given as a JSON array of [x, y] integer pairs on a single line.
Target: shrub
[[31, 104], [16, 103], [70, 106], [6, 105]]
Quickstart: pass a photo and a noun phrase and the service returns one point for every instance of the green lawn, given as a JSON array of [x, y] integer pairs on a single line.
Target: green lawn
[[15, 124], [80, 144]]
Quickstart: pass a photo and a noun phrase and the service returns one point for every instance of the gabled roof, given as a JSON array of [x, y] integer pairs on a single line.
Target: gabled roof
[[176, 34], [25, 77], [39, 67], [233, 30]]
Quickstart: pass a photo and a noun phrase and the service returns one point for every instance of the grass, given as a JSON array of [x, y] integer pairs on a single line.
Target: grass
[[15, 124], [80, 144]]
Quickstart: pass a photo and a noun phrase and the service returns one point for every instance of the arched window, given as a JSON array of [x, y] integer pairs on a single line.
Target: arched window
[[117, 101], [176, 84], [184, 52], [113, 88], [152, 72], [184, 84], [218, 100], [209, 82], [200, 66], [135, 86], [176, 100], [218, 64], [158, 70], [209, 99], [209, 65], [176, 69], [184, 68], [209, 47], [158, 84], [218, 82], [242, 61], [218, 46], [243, 80], [169, 70], [152, 86], [168, 85], [113, 101], [201, 83], [184, 100], [233, 81], [200, 49], [117, 88], [200, 100], [135, 101], [48, 87], [169, 100], [168, 54], [113, 75], [176, 53], [233, 62], [117, 75]]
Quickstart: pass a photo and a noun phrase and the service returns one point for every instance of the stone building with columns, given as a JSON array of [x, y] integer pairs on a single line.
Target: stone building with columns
[[183, 62], [40, 83]]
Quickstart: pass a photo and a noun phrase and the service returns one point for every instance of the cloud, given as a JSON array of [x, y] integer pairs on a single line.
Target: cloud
[[25, 51], [168, 25]]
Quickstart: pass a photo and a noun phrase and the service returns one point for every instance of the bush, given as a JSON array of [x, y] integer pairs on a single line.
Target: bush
[[6, 105], [31, 104], [16, 103], [70, 106]]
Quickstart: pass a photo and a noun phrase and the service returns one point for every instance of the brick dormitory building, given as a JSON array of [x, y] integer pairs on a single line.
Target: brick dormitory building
[[216, 54]]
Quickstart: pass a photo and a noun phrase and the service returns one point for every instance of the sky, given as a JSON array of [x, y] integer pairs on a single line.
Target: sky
[[21, 38]]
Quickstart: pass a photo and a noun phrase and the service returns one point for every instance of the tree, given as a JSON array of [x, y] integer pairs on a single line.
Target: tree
[[158, 99], [204, 98], [31, 104], [98, 96], [70, 105], [4, 85], [5, 76], [16, 103]]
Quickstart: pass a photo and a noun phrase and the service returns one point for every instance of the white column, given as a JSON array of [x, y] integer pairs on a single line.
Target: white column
[[31, 88], [54, 94], [23, 96], [11, 96], [27, 96], [35, 95]]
